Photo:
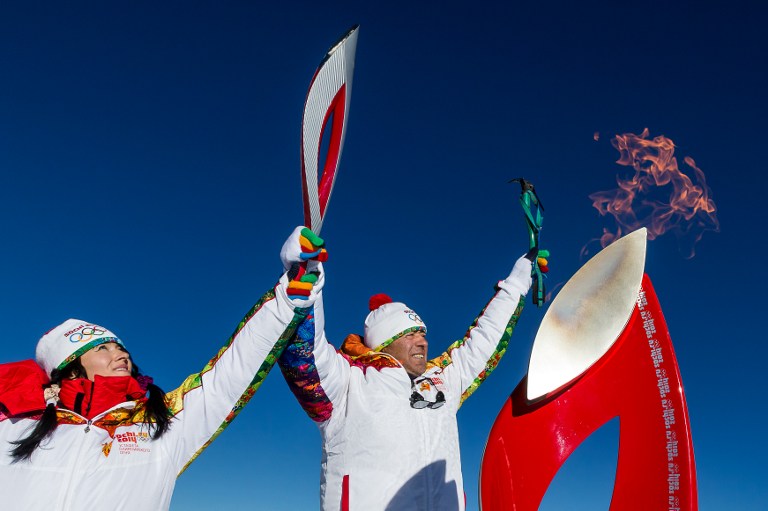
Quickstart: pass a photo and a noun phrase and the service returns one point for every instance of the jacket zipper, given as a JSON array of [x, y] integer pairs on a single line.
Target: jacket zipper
[[66, 501], [66, 504], [425, 461]]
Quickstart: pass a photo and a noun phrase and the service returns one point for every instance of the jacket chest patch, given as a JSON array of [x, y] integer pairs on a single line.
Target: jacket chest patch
[[432, 384], [132, 442], [427, 392]]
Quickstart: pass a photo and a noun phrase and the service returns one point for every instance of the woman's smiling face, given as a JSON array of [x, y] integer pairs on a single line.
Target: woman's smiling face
[[108, 359]]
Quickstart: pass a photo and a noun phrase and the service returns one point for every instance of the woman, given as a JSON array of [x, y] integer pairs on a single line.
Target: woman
[[90, 437]]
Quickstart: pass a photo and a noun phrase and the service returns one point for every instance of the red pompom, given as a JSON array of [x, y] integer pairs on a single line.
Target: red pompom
[[378, 300]]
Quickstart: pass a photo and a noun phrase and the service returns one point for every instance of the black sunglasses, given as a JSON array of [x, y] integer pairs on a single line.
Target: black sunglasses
[[418, 401]]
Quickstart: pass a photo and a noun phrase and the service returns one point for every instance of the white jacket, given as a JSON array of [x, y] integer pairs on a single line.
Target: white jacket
[[379, 453], [111, 463]]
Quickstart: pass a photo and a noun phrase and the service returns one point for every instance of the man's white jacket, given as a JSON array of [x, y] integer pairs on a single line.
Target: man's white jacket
[[110, 462], [379, 452]]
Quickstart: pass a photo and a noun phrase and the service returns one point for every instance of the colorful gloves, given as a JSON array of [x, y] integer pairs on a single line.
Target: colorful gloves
[[300, 255], [540, 257], [529, 267]]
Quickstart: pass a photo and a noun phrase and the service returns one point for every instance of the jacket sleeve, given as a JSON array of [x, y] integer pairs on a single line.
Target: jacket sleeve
[[315, 372], [470, 360], [206, 402]]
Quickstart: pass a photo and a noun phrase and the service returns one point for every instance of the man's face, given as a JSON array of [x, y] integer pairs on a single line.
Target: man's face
[[411, 351]]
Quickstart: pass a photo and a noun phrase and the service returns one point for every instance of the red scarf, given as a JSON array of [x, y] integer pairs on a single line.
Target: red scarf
[[21, 391], [90, 398]]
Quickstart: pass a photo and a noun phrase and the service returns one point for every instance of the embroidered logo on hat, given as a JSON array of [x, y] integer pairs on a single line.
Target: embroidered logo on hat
[[85, 333], [413, 316], [67, 341], [388, 321]]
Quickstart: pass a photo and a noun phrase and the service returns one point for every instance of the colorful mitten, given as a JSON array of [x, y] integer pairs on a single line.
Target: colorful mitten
[[300, 254], [542, 261]]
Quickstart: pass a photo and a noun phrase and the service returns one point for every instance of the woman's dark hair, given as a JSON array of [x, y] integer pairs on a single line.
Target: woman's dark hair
[[156, 412], [44, 427]]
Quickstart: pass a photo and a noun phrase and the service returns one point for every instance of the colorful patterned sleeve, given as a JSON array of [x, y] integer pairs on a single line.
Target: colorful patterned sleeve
[[207, 402], [315, 372]]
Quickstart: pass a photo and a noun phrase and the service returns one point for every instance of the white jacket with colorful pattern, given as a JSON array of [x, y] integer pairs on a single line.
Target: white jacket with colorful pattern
[[380, 453], [111, 463]]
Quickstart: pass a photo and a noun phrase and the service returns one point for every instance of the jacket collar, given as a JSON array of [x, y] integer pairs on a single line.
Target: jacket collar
[[91, 398]]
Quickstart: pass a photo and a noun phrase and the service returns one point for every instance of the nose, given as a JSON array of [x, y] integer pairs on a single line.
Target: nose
[[119, 354]]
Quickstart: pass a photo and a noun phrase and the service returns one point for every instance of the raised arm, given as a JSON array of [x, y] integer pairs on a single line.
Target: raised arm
[[205, 404], [315, 372], [471, 359]]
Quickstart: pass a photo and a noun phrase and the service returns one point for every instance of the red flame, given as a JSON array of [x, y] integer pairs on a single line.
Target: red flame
[[658, 196]]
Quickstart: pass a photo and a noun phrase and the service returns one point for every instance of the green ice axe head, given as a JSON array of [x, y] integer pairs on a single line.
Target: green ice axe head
[[533, 210]]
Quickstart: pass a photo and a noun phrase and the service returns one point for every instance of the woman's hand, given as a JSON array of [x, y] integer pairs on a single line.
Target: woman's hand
[[300, 255]]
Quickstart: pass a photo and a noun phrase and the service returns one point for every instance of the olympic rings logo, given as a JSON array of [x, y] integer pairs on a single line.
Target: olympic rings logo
[[415, 318], [86, 334]]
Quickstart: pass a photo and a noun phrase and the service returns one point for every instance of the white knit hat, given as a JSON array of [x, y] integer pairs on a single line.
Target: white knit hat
[[64, 343], [388, 321]]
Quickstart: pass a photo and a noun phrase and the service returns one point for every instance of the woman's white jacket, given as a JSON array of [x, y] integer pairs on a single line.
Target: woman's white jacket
[[110, 462]]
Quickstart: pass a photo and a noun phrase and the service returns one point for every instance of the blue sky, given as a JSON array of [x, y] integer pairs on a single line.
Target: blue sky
[[149, 173]]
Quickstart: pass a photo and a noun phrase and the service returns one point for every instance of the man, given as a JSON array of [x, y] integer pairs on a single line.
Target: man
[[386, 413]]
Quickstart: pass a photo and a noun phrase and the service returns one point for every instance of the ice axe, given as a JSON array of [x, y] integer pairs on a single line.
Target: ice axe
[[534, 217]]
